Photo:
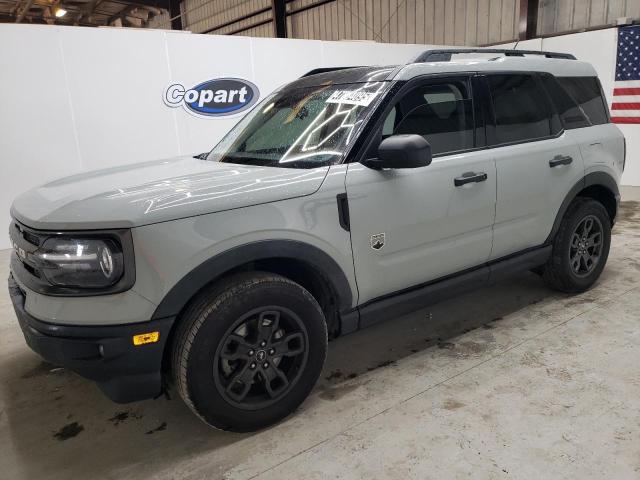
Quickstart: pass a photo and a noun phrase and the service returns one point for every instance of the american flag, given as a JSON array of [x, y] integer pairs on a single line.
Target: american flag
[[626, 92]]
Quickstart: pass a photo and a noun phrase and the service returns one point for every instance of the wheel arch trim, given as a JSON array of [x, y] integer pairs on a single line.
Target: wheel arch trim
[[602, 179], [215, 267]]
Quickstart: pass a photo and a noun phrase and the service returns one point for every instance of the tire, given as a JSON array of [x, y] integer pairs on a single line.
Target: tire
[[560, 271], [249, 351]]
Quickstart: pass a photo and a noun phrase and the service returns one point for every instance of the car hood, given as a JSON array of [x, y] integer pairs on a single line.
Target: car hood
[[158, 191]]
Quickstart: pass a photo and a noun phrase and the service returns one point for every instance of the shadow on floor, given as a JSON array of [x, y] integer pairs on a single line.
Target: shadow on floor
[[61, 426]]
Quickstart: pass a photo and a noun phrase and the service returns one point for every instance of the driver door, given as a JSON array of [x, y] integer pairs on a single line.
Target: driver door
[[412, 226]]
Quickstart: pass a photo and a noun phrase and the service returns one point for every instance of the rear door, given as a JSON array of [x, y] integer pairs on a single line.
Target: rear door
[[537, 162]]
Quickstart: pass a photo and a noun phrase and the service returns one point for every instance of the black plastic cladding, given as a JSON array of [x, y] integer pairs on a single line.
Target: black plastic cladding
[[181, 293]]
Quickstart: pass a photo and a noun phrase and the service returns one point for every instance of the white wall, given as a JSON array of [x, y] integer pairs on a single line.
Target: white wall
[[598, 48], [74, 98]]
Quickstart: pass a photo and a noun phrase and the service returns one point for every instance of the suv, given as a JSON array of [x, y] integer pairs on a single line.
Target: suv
[[349, 196]]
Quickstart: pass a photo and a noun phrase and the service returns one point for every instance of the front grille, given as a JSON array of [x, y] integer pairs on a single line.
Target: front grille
[[30, 237], [25, 242]]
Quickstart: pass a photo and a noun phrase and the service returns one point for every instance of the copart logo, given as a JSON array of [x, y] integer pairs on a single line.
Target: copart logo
[[213, 98]]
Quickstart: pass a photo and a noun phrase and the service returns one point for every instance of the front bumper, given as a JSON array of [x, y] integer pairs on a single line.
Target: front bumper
[[105, 354]]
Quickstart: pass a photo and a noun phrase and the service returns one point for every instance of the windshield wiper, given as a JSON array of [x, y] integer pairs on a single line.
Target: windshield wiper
[[242, 160]]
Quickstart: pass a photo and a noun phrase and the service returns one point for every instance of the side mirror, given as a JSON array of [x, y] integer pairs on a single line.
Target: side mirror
[[402, 151]]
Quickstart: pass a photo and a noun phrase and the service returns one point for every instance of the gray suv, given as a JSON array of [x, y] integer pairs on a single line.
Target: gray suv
[[349, 196]]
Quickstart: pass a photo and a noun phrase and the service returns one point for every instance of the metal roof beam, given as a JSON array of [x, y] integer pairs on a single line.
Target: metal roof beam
[[279, 15], [150, 3], [175, 12], [528, 24], [87, 9], [24, 11]]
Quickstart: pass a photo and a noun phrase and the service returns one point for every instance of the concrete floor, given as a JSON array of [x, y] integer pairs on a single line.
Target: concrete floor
[[513, 381]]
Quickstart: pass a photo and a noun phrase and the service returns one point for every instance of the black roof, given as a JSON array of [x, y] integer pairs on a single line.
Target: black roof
[[341, 75]]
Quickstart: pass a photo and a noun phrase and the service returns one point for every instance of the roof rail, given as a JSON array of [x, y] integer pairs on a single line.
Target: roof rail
[[315, 71], [444, 55]]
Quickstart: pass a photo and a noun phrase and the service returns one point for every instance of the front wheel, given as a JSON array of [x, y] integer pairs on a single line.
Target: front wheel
[[581, 247], [249, 351]]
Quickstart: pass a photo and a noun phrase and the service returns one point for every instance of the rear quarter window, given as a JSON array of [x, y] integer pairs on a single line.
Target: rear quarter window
[[570, 112], [586, 92]]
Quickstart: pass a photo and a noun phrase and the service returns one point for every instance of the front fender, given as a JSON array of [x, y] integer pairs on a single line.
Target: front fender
[[175, 300]]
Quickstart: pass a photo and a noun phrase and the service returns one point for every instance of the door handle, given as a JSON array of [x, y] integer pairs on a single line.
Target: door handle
[[469, 177], [560, 160]]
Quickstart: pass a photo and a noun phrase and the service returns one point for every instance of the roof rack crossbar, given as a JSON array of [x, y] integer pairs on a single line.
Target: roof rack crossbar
[[444, 55]]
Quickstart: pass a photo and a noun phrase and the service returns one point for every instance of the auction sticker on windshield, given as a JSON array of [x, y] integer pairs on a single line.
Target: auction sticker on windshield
[[352, 97]]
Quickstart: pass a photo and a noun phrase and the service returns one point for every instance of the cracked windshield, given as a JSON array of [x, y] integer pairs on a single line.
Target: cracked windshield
[[300, 128]]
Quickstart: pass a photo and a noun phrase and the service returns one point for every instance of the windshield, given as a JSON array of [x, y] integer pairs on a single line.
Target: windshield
[[300, 128]]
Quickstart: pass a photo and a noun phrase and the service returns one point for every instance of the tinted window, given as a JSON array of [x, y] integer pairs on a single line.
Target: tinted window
[[586, 93], [442, 113], [569, 111], [521, 108]]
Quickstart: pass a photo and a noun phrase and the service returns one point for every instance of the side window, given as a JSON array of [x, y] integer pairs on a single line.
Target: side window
[[586, 92], [570, 112], [521, 108], [440, 112], [389, 123]]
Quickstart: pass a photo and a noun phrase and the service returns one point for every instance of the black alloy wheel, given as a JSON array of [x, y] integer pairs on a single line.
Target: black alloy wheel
[[586, 246], [580, 248], [261, 357], [249, 350]]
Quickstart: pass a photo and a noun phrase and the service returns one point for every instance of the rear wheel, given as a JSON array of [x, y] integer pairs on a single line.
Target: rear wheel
[[248, 352], [581, 247]]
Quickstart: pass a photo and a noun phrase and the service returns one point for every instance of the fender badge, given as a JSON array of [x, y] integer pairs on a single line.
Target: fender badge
[[377, 241]]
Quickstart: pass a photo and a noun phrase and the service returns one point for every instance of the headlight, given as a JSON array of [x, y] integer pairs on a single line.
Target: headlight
[[80, 262], [73, 263]]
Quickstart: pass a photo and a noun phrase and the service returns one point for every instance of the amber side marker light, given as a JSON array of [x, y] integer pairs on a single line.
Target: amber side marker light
[[144, 338]]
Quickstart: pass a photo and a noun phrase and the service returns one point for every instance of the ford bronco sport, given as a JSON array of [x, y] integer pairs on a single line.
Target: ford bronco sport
[[349, 196]]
